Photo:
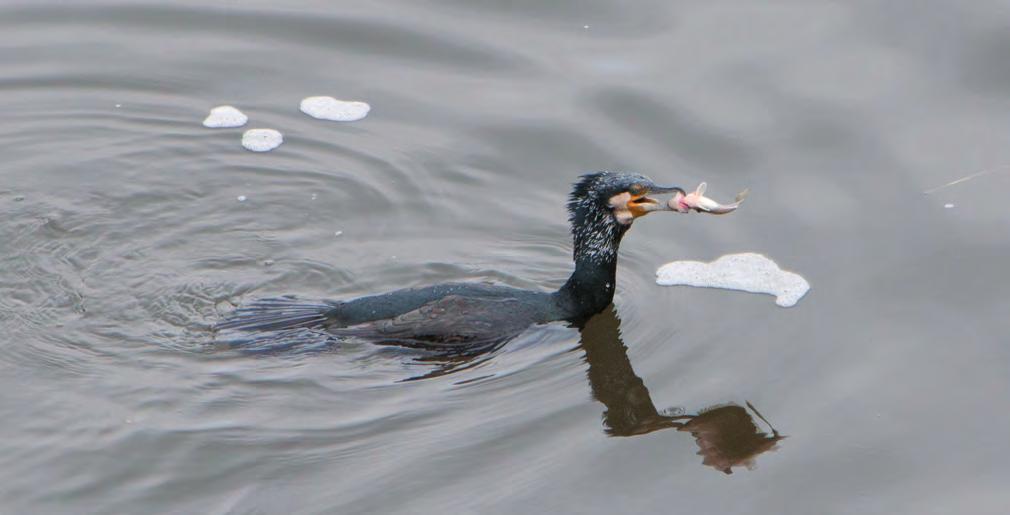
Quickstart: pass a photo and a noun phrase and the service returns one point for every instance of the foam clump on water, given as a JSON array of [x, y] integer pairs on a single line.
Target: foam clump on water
[[262, 140], [329, 108], [224, 116], [748, 272]]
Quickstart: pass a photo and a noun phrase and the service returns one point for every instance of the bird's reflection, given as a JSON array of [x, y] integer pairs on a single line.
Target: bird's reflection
[[727, 435]]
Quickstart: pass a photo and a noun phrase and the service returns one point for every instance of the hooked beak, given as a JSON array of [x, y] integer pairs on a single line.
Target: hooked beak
[[644, 204], [697, 201]]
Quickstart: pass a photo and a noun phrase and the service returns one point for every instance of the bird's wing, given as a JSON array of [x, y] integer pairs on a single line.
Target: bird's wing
[[453, 320]]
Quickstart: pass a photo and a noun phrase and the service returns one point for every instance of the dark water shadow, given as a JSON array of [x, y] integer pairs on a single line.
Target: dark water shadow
[[437, 362], [727, 435]]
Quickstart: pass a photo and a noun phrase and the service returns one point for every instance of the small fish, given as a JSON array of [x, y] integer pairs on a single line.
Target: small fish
[[697, 201]]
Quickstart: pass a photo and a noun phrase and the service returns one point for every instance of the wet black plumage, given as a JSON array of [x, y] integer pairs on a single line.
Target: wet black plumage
[[460, 315]]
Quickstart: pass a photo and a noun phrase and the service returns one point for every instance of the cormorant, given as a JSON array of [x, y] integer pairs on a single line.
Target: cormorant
[[460, 317]]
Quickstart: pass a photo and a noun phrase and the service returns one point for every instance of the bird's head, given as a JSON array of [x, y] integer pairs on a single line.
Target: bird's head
[[626, 196], [603, 205], [622, 197]]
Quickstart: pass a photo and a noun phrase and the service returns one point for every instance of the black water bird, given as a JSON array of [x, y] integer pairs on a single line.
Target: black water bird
[[456, 316]]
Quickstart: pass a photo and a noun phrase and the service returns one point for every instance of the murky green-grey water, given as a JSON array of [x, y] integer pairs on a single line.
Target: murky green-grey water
[[122, 240]]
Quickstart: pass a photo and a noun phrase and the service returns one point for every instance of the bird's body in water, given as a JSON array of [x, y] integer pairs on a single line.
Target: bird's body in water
[[463, 316]]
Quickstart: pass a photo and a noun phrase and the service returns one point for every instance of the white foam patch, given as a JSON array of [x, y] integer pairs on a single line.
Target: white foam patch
[[745, 272], [329, 108], [224, 116], [262, 140]]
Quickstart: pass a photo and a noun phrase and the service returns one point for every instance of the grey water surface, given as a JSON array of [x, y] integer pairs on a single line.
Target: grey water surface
[[122, 241]]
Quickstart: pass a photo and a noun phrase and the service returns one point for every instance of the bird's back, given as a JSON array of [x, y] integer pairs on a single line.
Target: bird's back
[[446, 316], [451, 321]]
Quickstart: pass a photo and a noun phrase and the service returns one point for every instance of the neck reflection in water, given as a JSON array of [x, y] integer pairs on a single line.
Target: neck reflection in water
[[727, 435]]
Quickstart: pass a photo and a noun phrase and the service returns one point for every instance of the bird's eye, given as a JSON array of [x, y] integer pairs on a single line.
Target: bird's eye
[[636, 189]]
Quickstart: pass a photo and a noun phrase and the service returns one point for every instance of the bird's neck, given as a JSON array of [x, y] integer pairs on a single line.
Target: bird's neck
[[590, 289]]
